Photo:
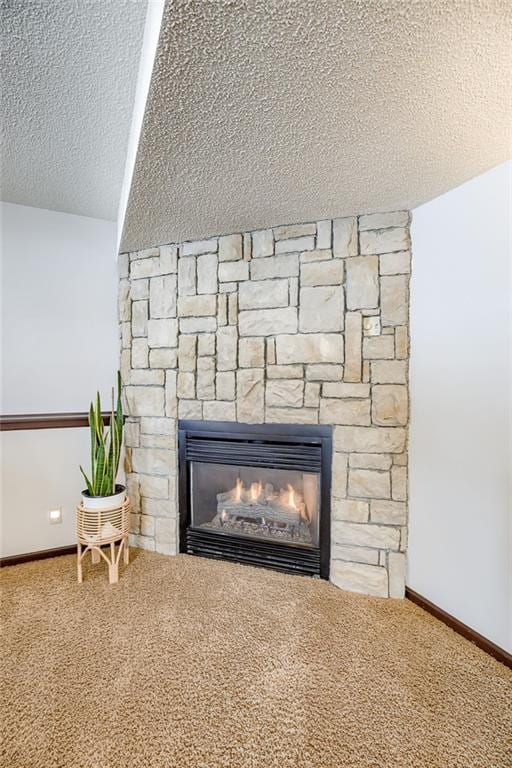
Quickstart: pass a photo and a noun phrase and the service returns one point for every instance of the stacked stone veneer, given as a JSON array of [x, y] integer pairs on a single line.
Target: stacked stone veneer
[[306, 323]]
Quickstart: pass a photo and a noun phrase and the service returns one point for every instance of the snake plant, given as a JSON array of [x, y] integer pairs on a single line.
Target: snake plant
[[105, 446]]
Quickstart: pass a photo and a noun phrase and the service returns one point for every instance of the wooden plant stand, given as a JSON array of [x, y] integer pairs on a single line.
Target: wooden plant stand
[[97, 528]]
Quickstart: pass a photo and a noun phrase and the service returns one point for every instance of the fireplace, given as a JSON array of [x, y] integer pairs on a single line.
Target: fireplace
[[256, 494]]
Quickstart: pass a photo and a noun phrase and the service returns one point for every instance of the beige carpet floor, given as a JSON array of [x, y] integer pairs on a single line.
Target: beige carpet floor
[[194, 663]]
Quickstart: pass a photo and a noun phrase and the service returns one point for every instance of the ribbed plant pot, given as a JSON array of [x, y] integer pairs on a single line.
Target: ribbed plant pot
[[104, 502]]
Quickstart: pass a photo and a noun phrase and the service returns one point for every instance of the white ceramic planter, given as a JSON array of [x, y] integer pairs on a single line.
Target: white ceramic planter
[[104, 502]]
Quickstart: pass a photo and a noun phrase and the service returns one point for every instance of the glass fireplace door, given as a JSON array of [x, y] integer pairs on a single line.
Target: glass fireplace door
[[258, 502]]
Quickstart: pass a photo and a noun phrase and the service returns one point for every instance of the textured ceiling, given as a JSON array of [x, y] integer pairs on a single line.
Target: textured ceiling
[[69, 76], [270, 111]]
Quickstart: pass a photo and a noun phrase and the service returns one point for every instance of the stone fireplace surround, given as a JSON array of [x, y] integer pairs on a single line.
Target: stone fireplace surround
[[296, 324]]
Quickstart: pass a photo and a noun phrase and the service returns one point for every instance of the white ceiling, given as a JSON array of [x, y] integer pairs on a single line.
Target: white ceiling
[[69, 76], [270, 111]]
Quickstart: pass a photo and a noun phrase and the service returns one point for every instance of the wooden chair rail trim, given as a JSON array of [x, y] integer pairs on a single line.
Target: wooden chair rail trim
[[16, 422]]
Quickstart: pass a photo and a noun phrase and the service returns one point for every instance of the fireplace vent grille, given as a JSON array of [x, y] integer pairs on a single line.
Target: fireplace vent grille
[[307, 458]]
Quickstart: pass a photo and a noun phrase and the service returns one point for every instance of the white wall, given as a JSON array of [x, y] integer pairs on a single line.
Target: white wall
[[59, 344], [460, 549], [59, 309]]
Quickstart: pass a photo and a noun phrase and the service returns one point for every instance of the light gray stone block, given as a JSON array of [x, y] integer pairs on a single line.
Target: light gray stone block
[[339, 475], [231, 271], [207, 273], [369, 439], [399, 483], [166, 536], [369, 461], [322, 273], [389, 372], [342, 390], [205, 386], [233, 308], [321, 309], [140, 354], [396, 569], [139, 289], [196, 247], [139, 318], [286, 265], [309, 348], [227, 347], [262, 243], [144, 401], [379, 348], [384, 240], [285, 372], [145, 377], [295, 244], [321, 372], [144, 268], [285, 393], [162, 296], [206, 344], [250, 395], [251, 352], [267, 322], [350, 412], [390, 405], [355, 554], [350, 510], [369, 483], [394, 300], [362, 282], [186, 385], [157, 426], [324, 233], [291, 415], [384, 220], [263, 294], [198, 324], [163, 358], [190, 409], [344, 233], [187, 353], [366, 535], [197, 306], [388, 512], [186, 276], [162, 333], [294, 230], [398, 263], [359, 577], [353, 346], [225, 385], [217, 410], [168, 259], [230, 248], [312, 395]]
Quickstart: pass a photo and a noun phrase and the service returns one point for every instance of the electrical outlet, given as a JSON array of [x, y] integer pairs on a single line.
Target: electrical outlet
[[55, 516]]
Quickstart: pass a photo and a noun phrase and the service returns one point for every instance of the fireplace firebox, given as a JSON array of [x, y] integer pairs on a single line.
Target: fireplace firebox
[[256, 494]]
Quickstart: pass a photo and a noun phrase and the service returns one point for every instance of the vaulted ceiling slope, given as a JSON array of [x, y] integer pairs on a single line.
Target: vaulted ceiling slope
[[68, 84], [269, 111]]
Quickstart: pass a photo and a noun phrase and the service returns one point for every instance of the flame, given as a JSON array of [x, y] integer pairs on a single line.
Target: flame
[[291, 497], [238, 489], [255, 491]]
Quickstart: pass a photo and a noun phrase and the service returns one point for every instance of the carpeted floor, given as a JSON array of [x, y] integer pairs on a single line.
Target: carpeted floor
[[193, 663]]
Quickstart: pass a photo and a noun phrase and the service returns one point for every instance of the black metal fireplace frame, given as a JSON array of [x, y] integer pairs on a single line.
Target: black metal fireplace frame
[[311, 450]]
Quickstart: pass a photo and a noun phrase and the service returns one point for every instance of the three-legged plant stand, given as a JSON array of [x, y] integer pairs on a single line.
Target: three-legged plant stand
[[97, 528]]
